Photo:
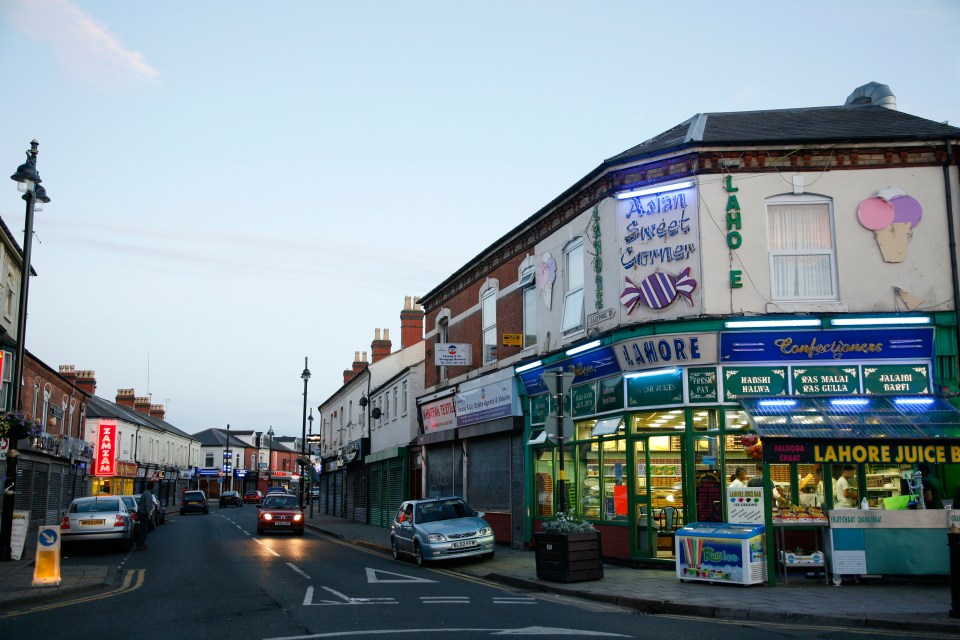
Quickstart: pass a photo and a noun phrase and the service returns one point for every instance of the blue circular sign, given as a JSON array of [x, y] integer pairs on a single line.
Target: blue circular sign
[[48, 537]]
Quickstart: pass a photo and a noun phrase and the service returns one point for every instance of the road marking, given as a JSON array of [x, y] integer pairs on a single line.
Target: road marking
[[297, 569], [373, 578], [445, 599], [260, 542], [132, 580], [522, 631], [344, 599], [504, 600]]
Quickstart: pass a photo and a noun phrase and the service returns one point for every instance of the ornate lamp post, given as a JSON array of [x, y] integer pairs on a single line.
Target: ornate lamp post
[[28, 181], [303, 433], [310, 434]]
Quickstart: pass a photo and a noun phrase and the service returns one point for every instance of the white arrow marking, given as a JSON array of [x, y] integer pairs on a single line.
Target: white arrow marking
[[372, 577], [344, 600]]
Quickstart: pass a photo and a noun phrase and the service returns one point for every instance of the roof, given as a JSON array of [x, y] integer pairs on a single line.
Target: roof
[[854, 418], [809, 125], [97, 407], [215, 437]]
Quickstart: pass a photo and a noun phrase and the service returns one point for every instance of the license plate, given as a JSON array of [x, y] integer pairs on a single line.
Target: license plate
[[282, 524], [463, 544], [91, 522]]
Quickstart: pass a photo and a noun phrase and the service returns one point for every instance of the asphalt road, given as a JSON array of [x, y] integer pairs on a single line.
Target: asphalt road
[[212, 577]]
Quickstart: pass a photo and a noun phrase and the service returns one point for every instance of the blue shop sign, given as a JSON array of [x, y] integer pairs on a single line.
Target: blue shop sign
[[591, 365], [829, 345]]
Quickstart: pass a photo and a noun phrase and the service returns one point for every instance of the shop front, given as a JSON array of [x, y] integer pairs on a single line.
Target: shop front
[[388, 474], [350, 460]]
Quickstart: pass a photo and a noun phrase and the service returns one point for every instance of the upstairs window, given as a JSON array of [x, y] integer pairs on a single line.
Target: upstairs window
[[488, 311], [573, 298], [802, 252], [528, 293]]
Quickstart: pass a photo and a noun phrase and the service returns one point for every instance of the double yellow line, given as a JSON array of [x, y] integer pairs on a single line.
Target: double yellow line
[[132, 580]]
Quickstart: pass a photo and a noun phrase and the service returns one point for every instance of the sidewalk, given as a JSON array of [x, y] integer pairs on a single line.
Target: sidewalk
[[922, 606]]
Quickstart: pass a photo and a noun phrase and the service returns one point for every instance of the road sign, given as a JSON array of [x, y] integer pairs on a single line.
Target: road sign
[[46, 566], [557, 383]]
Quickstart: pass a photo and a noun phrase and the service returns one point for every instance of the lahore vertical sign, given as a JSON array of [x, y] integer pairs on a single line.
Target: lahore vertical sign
[[106, 449]]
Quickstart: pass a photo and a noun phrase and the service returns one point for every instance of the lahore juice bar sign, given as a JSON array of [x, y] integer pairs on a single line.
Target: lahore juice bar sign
[[786, 450], [106, 449]]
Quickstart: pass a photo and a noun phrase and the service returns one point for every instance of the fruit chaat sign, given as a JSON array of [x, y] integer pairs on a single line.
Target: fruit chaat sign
[[658, 240], [785, 450]]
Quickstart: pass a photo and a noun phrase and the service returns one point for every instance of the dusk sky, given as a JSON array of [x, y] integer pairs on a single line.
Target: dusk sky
[[236, 185]]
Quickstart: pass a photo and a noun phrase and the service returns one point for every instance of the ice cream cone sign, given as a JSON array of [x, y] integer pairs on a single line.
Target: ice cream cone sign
[[891, 214], [546, 275]]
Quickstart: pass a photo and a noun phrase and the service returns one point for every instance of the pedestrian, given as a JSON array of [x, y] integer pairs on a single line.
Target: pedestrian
[[738, 479], [144, 509], [933, 492]]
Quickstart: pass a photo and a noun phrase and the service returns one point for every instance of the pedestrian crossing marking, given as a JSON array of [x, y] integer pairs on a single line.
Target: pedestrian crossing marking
[[373, 577]]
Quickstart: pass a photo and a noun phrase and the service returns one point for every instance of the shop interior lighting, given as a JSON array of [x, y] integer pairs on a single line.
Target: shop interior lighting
[[849, 402], [527, 367], [582, 348], [770, 404], [655, 372], [771, 324], [913, 401], [646, 191], [866, 322]]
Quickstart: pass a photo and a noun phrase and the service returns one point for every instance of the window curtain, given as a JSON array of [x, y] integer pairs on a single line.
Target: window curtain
[[801, 247]]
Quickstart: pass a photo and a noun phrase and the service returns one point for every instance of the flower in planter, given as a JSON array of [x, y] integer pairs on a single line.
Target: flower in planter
[[567, 523], [16, 425]]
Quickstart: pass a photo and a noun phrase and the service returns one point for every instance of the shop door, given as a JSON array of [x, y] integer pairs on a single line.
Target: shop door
[[658, 495], [708, 478]]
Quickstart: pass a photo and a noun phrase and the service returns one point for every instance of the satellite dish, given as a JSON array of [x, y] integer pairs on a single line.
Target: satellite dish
[[375, 413], [363, 401]]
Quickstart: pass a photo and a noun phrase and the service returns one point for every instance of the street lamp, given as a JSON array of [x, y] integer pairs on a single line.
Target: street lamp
[[270, 458], [28, 181], [310, 497], [228, 460], [303, 433]]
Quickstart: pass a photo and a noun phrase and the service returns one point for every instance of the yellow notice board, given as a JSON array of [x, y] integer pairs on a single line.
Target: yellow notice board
[[512, 339], [46, 568]]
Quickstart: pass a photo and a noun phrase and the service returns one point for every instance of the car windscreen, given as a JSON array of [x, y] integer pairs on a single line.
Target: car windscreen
[[193, 495], [95, 506], [448, 510], [281, 502]]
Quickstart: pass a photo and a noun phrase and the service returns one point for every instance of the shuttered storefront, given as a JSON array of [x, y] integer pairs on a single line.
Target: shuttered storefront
[[45, 489], [488, 473], [444, 470], [356, 507], [386, 489]]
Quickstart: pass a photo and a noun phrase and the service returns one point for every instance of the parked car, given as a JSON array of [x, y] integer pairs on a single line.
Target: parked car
[[230, 497], [252, 497], [194, 501], [158, 515], [315, 492], [440, 529], [280, 490], [98, 518], [280, 512], [132, 504]]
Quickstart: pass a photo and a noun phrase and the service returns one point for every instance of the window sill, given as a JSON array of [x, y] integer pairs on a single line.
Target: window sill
[[808, 306]]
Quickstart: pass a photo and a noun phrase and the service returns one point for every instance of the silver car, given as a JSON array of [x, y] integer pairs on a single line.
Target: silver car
[[440, 529], [96, 519]]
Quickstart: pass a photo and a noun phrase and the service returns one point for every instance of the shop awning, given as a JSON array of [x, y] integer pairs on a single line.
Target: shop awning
[[876, 429]]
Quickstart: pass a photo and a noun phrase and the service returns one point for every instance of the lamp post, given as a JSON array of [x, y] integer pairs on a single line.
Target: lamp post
[[28, 181], [270, 458], [228, 460], [303, 432], [310, 496]]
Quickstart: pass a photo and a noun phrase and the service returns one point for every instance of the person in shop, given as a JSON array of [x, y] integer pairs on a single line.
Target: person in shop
[[738, 479], [933, 492], [847, 496], [811, 488]]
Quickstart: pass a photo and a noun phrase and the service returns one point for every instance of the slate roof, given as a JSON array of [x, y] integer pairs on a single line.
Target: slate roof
[[215, 437], [97, 407], [811, 125]]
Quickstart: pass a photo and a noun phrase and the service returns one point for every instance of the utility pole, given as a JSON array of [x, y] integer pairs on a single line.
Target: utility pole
[[558, 384]]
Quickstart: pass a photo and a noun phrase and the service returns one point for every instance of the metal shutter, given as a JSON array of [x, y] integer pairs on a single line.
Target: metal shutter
[[54, 494], [440, 471], [375, 472], [393, 487], [357, 511], [338, 494], [488, 473]]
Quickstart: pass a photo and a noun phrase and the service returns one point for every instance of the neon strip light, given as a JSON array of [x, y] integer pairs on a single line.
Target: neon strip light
[[850, 402], [853, 322], [767, 404], [582, 348], [527, 367], [760, 324], [657, 372], [914, 401], [646, 191]]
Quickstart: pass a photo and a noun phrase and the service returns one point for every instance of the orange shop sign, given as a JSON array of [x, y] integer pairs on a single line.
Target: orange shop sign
[[106, 449]]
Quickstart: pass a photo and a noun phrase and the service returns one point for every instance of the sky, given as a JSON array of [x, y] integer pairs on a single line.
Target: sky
[[237, 185]]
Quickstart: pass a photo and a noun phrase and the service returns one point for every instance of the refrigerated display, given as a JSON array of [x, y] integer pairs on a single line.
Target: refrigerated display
[[721, 552]]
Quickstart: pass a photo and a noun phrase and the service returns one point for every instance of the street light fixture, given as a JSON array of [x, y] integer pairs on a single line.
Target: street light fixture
[[28, 181], [303, 433], [310, 496]]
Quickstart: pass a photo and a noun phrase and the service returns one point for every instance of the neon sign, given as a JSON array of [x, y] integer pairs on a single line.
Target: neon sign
[[106, 447]]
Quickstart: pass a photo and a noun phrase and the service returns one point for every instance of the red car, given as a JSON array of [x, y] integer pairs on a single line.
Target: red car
[[252, 497], [280, 513]]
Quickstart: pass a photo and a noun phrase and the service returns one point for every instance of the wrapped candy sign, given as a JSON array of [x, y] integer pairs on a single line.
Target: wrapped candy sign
[[891, 214]]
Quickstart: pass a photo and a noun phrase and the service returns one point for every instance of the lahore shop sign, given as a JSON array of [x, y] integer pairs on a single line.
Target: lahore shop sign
[[106, 449], [914, 451]]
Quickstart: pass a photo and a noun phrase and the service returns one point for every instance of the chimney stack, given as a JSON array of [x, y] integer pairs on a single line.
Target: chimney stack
[[142, 404], [125, 397], [157, 411], [411, 322], [357, 366], [380, 348], [84, 380]]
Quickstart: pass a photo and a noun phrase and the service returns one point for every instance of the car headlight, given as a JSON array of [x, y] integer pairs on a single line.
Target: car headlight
[[297, 517], [267, 516], [484, 531], [435, 537]]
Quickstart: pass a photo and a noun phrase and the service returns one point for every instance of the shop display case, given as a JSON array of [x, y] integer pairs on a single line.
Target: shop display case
[[721, 552]]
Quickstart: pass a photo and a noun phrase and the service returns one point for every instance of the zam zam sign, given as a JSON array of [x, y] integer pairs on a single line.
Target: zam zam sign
[[657, 236]]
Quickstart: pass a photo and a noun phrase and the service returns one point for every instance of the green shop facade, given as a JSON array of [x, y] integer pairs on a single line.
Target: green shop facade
[[654, 415]]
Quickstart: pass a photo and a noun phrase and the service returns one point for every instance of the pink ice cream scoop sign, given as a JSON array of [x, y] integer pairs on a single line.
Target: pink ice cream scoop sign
[[891, 214]]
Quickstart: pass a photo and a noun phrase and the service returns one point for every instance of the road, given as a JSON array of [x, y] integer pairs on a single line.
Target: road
[[211, 577]]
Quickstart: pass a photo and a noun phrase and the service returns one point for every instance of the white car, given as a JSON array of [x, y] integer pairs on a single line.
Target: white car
[[97, 519]]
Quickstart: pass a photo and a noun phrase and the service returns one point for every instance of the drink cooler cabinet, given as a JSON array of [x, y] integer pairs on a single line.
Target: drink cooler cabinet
[[721, 552]]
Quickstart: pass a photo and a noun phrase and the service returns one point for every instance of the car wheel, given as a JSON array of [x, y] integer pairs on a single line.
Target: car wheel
[[206, 511], [417, 554], [394, 548]]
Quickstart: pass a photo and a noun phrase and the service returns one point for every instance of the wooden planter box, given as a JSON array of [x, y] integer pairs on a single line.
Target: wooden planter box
[[568, 557]]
